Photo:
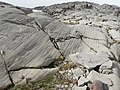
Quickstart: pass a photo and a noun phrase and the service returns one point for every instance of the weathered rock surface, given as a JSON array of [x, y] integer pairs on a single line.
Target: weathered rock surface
[[23, 41], [96, 29], [88, 60], [32, 41]]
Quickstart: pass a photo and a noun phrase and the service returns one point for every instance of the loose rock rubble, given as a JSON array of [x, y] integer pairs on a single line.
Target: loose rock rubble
[[98, 29], [78, 42]]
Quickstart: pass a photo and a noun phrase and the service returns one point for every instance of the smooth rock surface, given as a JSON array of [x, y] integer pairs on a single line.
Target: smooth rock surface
[[101, 77], [88, 60]]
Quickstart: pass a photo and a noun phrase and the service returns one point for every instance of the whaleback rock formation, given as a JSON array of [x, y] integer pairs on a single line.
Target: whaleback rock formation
[[84, 33]]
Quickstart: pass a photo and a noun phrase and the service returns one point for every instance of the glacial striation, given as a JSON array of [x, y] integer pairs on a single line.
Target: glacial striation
[[86, 34]]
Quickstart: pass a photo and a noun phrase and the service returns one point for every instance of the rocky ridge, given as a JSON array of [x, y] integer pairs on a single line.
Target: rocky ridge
[[84, 36]]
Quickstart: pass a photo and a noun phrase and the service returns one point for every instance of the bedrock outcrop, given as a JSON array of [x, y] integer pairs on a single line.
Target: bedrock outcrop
[[86, 34]]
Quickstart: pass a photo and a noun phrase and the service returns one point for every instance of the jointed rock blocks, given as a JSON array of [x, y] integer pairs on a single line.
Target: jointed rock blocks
[[86, 34]]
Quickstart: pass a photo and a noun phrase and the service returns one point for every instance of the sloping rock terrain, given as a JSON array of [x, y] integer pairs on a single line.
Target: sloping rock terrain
[[86, 34], [97, 31]]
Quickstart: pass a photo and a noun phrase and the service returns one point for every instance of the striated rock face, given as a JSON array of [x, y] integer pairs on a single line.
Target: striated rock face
[[30, 42], [27, 47]]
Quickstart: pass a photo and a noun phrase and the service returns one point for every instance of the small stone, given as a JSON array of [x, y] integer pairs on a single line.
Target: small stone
[[82, 81], [116, 68], [97, 85], [115, 49], [116, 13], [59, 10], [115, 34], [101, 77], [79, 88], [78, 72], [106, 67], [115, 80]]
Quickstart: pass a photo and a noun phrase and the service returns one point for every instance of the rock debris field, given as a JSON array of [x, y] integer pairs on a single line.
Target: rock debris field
[[76, 41]]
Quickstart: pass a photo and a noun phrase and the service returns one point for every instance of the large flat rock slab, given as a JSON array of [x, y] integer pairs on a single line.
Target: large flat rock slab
[[89, 60]]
